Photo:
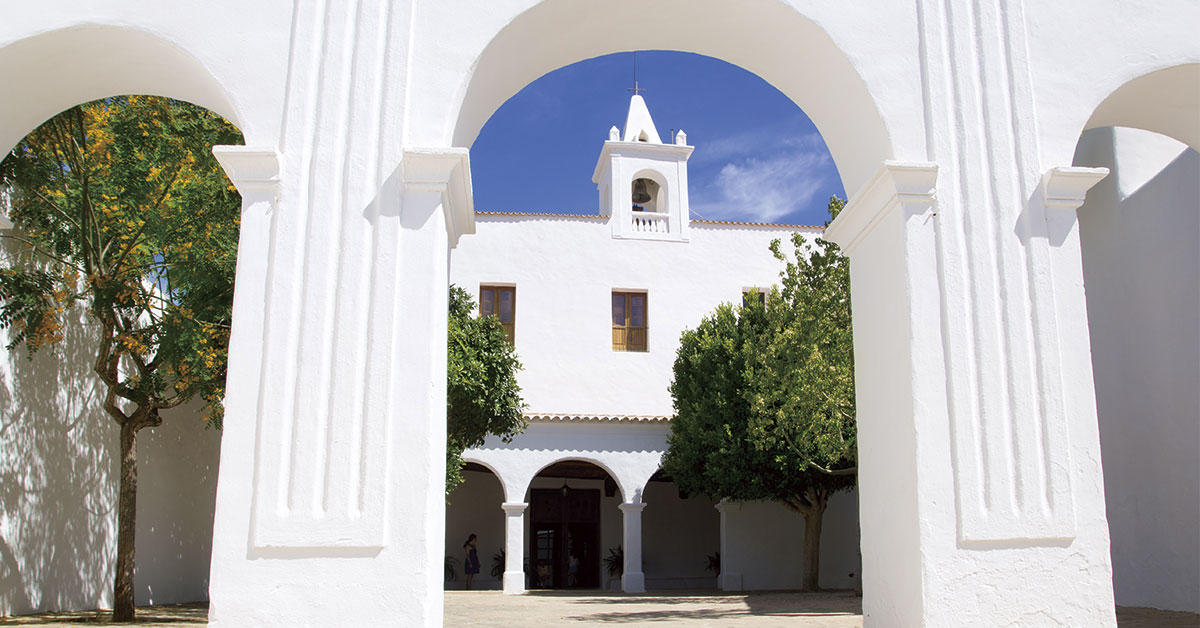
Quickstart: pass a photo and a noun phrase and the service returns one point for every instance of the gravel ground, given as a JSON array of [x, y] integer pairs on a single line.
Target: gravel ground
[[490, 609]]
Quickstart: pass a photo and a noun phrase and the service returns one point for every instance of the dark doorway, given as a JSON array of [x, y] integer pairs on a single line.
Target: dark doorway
[[565, 530]]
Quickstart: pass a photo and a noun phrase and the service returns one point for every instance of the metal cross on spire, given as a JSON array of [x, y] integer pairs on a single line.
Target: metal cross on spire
[[635, 89]]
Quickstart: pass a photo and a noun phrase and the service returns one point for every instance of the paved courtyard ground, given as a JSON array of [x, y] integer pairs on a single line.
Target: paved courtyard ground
[[490, 609]]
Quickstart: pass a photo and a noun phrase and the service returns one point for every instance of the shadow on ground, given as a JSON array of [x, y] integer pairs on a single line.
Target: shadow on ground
[[553, 608], [195, 614]]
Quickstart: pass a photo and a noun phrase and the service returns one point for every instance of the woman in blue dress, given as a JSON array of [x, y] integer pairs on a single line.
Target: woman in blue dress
[[471, 566]]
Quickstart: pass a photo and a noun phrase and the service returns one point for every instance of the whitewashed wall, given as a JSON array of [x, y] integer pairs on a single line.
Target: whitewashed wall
[[677, 537], [565, 270], [1140, 235], [764, 543], [58, 490]]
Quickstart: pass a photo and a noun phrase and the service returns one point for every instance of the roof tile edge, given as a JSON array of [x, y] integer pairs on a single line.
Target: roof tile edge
[[701, 221], [547, 416]]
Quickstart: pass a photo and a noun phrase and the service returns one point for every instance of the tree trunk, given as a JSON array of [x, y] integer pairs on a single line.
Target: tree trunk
[[812, 547], [126, 520]]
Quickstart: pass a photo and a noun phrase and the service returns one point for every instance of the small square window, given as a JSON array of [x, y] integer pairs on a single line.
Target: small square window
[[754, 293], [501, 302], [629, 325]]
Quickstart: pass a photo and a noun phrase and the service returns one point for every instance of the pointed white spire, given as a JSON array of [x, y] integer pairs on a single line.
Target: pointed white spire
[[638, 125], [680, 138], [614, 134]]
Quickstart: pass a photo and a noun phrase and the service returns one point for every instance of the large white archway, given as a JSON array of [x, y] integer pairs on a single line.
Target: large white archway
[[1140, 243], [788, 48], [59, 69], [44, 74], [1164, 101]]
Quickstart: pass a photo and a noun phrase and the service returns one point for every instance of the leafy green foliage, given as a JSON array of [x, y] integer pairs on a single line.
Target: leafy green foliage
[[764, 393], [120, 207], [482, 394]]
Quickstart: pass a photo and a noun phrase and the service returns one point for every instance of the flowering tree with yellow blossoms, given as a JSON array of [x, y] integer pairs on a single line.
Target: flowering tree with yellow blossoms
[[120, 210]]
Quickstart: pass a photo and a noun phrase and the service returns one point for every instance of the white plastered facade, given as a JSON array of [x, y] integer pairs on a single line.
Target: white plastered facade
[[591, 401], [953, 125]]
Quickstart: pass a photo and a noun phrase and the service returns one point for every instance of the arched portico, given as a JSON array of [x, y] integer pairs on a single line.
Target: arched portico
[[629, 458], [973, 363]]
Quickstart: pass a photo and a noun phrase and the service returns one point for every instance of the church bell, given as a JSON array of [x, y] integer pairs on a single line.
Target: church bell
[[640, 194]]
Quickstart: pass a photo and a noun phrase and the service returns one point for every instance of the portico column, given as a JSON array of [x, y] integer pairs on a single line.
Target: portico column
[[514, 547], [730, 578], [633, 580]]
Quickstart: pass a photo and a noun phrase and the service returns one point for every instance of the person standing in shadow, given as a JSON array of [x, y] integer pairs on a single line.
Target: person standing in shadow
[[471, 566]]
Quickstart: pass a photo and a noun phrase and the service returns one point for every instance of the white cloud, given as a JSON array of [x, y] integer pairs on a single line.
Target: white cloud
[[764, 185]]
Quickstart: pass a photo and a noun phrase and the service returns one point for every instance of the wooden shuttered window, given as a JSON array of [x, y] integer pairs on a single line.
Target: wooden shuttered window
[[501, 302], [629, 329]]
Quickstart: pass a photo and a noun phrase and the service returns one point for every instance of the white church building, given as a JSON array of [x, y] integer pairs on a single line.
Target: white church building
[[595, 305], [1023, 228]]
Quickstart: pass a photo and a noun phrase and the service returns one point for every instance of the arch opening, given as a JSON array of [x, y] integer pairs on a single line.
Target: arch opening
[[573, 525], [65, 434], [1139, 232], [56, 70], [473, 507], [831, 92]]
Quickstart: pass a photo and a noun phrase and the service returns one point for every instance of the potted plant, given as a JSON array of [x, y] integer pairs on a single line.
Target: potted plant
[[498, 565], [713, 564], [614, 563]]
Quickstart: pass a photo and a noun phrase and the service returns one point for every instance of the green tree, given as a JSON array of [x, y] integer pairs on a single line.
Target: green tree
[[121, 211], [764, 394], [482, 394]]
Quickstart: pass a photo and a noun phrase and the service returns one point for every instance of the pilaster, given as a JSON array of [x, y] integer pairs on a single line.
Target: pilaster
[[887, 231], [330, 498]]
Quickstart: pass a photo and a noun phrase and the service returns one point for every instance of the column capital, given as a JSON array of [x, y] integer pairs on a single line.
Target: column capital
[[254, 170], [896, 183], [446, 171], [632, 507], [725, 506], [514, 508], [1066, 187]]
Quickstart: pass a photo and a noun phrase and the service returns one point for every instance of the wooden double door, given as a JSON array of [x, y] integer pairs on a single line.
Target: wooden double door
[[565, 534]]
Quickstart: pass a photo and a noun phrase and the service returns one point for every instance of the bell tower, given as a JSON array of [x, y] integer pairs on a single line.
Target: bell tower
[[642, 181]]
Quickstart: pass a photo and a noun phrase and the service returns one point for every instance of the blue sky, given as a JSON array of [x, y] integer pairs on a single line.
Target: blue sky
[[758, 157]]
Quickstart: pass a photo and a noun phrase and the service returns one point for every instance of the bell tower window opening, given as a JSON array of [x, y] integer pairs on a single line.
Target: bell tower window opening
[[645, 195]]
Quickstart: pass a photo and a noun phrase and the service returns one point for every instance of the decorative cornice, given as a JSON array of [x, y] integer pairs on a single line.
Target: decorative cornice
[[447, 171], [1066, 188], [254, 170], [895, 183], [628, 418]]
